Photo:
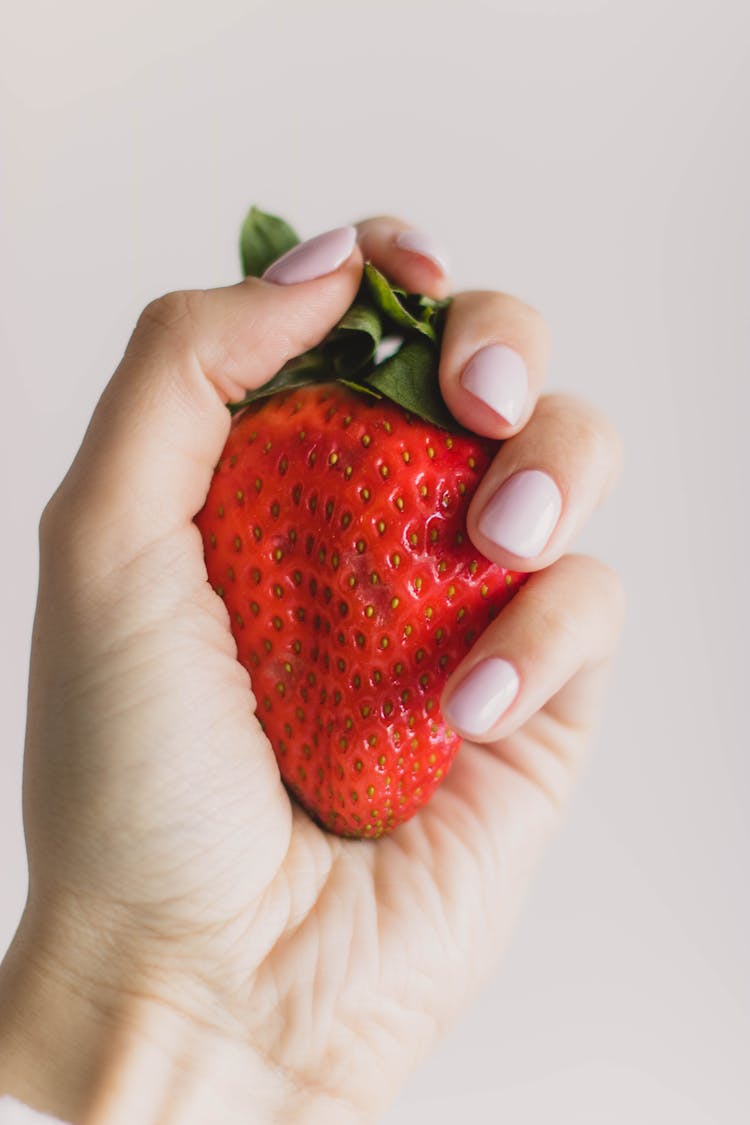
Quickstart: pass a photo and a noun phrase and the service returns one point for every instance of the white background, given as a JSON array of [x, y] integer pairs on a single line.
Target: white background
[[592, 157]]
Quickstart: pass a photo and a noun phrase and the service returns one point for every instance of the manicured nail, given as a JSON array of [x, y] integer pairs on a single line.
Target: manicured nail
[[522, 514], [497, 376], [423, 244], [485, 695], [314, 258]]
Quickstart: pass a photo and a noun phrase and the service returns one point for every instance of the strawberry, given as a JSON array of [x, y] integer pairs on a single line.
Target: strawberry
[[335, 532]]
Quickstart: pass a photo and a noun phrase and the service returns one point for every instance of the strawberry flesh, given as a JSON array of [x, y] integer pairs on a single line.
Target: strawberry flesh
[[335, 532]]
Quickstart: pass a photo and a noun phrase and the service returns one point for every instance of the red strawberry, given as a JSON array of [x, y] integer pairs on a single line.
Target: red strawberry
[[335, 531]]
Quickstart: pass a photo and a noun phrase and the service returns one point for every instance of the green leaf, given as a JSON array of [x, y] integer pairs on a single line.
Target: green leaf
[[264, 238], [353, 342], [392, 302], [348, 353], [410, 379], [362, 388], [361, 318]]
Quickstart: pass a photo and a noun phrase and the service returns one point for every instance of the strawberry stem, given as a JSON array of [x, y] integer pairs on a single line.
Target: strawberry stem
[[349, 353]]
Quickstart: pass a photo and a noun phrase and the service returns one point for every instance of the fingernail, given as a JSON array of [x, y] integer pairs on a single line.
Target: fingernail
[[485, 695], [522, 514], [314, 258], [497, 376], [417, 242]]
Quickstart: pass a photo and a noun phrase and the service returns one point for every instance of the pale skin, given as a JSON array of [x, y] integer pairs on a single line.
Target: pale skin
[[194, 948]]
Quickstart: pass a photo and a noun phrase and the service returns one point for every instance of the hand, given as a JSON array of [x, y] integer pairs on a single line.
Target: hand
[[194, 948]]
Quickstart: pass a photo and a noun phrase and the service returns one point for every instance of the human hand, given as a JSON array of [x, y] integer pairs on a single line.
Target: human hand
[[194, 948]]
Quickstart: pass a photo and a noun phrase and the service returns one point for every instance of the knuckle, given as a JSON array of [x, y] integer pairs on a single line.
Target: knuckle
[[173, 312], [50, 520], [599, 430], [582, 426], [528, 318], [364, 226], [521, 319], [612, 590], [602, 582], [607, 580], [167, 325], [59, 525], [551, 618], [561, 620]]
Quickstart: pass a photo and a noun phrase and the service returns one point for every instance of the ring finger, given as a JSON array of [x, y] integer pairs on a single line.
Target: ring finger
[[544, 484]]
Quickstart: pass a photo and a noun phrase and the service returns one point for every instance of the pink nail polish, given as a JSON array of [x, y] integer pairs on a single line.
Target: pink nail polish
[[481, 698], [522, 514], [497, 376], [417, 242], [314, 258]]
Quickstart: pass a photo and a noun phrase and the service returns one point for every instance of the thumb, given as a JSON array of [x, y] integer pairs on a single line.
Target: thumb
[[145, 463]]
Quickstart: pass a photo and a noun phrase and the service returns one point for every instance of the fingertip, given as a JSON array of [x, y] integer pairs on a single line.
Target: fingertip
[[424, 246], [494, 354], [496, 375], [546, 649], [521, 516], [475, 704], [491, 395], [408, 257], [543, 485], [315, 258]]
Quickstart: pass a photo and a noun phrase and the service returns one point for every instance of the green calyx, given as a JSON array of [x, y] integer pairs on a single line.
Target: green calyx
[[387, 344]]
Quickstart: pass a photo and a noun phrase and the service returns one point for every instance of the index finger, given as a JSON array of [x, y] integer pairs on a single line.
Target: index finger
[[407, 256]]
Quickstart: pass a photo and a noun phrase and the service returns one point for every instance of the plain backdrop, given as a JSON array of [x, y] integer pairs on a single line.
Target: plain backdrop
[[591, 157]]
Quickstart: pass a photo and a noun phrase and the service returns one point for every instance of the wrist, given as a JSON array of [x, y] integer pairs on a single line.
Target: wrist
[[119, 1055]]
